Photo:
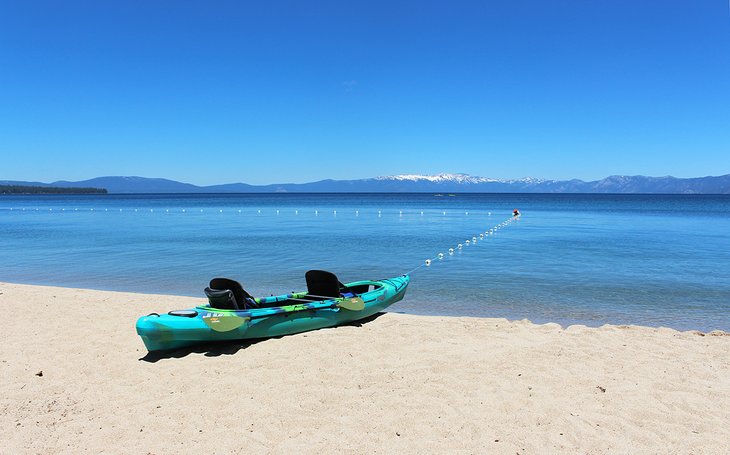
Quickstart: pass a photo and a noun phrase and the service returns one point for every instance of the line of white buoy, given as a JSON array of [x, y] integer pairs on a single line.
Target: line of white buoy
[[469, 241], [401, 213]]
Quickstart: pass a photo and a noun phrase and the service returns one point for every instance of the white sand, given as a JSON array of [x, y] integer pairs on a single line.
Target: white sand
[[396, 384]]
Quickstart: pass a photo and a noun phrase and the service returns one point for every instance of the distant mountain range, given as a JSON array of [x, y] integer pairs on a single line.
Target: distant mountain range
[[412, 183]]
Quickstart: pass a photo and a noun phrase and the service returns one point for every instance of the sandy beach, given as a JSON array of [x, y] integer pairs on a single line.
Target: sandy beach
[[76, 378]]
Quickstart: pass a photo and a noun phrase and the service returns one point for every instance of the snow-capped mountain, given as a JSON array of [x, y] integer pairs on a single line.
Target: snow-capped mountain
[[438, 178], [455, 178]]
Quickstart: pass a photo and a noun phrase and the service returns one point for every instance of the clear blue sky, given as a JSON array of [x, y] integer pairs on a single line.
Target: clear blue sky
[[264, 92]]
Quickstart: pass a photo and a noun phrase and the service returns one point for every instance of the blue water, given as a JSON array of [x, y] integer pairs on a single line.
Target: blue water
[[592, 259]]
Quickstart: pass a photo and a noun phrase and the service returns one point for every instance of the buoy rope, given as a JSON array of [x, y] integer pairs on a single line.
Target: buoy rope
[[425, 263], [193, 210], [467, 242]]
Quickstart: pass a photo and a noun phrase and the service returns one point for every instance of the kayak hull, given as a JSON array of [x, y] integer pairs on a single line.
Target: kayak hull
[[205, 324]]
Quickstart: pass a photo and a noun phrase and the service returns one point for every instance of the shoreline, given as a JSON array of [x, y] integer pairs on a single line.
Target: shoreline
[[196, 300], [78, 379]]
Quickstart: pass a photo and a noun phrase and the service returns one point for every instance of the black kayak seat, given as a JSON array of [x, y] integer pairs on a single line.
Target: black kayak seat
[[323, 284], [227, 294]]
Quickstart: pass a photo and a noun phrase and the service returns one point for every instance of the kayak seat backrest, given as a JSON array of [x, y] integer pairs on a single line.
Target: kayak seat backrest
[[321, 283], [221, 299], [227, 294]]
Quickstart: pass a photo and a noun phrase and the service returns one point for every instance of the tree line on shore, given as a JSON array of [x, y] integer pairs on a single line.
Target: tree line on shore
[[24, 189]]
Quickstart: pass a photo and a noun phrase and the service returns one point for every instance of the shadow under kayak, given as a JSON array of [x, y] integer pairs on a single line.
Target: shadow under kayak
[[274, 316]]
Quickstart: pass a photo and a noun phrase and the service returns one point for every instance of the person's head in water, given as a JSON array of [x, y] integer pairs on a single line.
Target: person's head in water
[[515, 212]]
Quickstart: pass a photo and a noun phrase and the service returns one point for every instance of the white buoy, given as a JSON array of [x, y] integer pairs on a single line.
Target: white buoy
[[184, 210], [277, 212], [220, 211], [489, 213], [444, 213], [441, 255], [357, 213], [467, 242], [422, 213], [466, 213], [474, 240], [459, 246], [296, 212], [451, 251], [428, 262], [259, 212], [481, 236], [335, 212]]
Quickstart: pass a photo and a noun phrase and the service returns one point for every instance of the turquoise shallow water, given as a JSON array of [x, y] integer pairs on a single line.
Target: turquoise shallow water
[[623, 259]]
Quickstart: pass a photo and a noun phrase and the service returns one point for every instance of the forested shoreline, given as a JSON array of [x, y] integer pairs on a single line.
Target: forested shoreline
[[23, 189]]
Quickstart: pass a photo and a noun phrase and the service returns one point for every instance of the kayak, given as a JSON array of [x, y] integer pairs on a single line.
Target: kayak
[[232, 314]]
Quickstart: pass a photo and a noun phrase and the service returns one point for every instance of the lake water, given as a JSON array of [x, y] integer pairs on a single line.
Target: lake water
[[591, 259]]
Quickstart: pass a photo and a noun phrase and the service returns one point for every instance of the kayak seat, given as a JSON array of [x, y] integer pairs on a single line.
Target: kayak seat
[[362, 288], [322, 285], [227, 294]]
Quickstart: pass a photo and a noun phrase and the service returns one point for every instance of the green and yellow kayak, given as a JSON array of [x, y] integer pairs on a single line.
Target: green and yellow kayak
[[248, 318]]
